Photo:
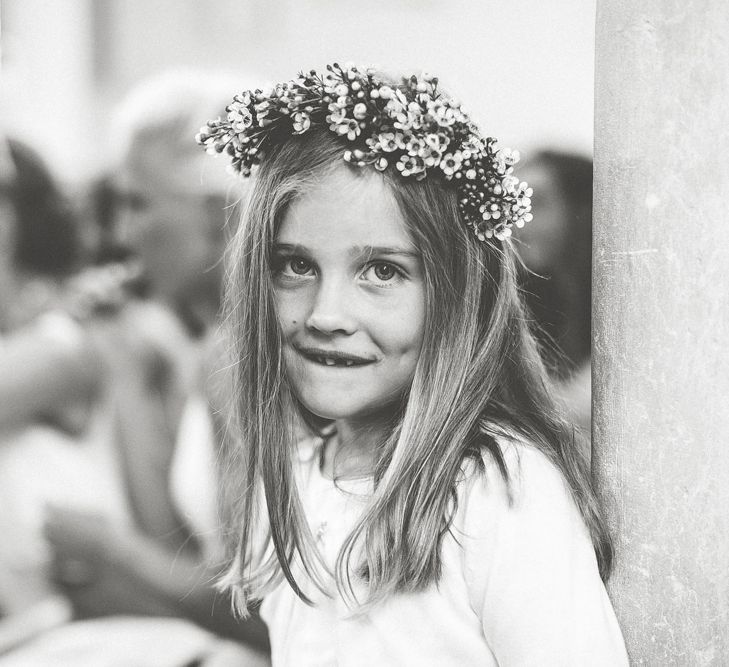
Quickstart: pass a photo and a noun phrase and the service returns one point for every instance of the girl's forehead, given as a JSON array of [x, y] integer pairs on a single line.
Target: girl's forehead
[[345, 208]]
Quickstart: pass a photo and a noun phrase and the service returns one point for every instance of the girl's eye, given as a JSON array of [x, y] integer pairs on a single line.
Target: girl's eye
[[299, 266], [382, 272], [293, 267]]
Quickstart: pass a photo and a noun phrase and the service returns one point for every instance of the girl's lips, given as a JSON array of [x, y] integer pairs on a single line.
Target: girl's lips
[[333, 357]]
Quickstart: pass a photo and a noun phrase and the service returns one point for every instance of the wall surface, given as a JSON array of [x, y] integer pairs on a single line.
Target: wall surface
[[661, 322]]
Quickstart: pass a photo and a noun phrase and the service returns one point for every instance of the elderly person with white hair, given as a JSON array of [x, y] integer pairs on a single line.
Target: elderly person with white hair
[[155, 358]]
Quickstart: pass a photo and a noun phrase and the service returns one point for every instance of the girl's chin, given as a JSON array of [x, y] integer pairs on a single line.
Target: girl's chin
[[334, 408], [347, 398], [335, 412]]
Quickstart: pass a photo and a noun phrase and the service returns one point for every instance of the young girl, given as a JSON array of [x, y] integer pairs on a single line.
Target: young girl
[[405, 492]]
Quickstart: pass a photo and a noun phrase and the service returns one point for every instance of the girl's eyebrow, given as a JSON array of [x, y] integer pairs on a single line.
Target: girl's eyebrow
[[369, 250], [355, 251], [289, 247]]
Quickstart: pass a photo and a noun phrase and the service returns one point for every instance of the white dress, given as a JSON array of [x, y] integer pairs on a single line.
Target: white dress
[[519, 586]]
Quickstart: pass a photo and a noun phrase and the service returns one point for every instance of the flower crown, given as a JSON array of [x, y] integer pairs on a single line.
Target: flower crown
[[413, 127]]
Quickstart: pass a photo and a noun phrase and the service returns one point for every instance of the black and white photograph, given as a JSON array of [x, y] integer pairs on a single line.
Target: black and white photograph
[[346, 333]]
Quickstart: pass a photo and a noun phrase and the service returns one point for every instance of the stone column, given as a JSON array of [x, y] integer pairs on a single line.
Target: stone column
[[661, 322]]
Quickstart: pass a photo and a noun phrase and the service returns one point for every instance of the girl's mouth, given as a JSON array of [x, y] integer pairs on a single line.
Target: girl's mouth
[[333, 358]]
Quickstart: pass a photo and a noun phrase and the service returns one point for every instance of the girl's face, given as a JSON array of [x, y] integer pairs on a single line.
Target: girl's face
[[350, 296]]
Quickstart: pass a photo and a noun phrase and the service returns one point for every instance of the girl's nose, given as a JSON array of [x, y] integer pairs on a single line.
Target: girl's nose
[[331, 310]]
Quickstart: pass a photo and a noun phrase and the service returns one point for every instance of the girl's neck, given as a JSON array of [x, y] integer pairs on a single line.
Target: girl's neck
[[351, 449]]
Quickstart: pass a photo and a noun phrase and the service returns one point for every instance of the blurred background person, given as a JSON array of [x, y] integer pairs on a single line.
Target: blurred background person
[[40, 235], [146, 359], [48, 373], [170, 213], [557, 251]]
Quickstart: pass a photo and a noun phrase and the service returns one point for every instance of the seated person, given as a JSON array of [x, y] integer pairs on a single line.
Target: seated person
[[171, 215], [112, 384]]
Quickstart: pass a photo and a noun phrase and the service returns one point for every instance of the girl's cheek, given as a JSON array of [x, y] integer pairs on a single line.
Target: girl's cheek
[[291, 311]]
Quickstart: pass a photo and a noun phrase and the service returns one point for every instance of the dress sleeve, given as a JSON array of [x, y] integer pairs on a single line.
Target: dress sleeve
[[531, 569]]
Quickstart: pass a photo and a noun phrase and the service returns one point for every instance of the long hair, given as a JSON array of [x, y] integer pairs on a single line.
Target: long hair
[[479, 377]]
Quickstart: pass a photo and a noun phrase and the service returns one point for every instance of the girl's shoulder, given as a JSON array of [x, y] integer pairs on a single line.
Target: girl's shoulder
[[529, 490], [516, 462], [526, 557]]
